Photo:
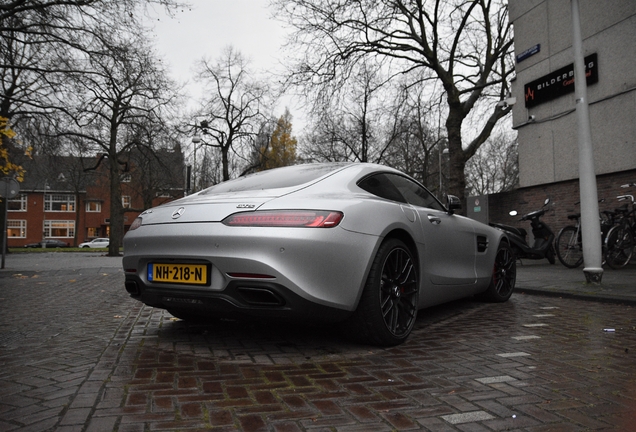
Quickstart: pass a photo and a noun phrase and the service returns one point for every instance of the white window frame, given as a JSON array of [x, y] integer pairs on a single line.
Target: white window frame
[[61, 200], [125, 201], [98, 207], [126, 178], [19, 224], [68, 225], [22, 199]]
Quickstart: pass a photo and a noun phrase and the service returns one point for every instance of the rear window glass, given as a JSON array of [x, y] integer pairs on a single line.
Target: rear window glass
[[275, 178]]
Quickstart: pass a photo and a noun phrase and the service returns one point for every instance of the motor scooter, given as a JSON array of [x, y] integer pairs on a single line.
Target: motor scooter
[[543, 246]]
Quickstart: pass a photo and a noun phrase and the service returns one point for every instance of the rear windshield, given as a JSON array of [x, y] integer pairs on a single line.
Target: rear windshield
[[275, 178]]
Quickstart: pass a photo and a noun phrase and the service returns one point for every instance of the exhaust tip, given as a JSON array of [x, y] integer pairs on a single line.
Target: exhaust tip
[[132, 288], [260, 297]]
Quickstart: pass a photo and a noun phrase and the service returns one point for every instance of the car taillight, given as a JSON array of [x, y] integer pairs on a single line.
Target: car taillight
[[286, 218], [136, 224]]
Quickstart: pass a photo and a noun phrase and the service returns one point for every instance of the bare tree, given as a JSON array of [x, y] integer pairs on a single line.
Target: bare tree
[[359, 120], [157, 165], [495, 166], [117, 91], [416, 148], [42, 8], [39, 39], [465, 44], [56, 59], [234, 109]]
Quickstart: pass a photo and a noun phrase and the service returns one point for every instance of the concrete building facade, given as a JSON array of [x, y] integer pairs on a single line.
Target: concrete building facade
[[544, 110], [544, 114]]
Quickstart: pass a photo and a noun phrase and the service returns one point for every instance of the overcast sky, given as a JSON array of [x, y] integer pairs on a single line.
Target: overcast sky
[[211, 25]]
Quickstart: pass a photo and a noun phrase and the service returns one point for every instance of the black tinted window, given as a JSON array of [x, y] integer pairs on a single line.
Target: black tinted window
[[401, 189], [414, 193], [380, 185]]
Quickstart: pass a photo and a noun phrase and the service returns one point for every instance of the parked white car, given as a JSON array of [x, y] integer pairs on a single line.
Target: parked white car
[[95, 243]]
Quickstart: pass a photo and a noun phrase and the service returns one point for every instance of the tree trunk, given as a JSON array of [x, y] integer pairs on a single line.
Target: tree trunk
[[457, 157], [116, 208], [79, 206], [225, 162]]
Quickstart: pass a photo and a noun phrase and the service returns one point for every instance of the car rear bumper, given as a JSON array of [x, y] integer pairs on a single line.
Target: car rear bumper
[[239, 299], [301, 272]]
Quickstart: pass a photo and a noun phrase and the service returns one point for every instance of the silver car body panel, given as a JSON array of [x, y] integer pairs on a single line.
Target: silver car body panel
[[325, 266], [333, 279]]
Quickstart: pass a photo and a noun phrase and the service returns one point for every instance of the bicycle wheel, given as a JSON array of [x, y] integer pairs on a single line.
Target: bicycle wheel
[[569, 249], [620, 247]]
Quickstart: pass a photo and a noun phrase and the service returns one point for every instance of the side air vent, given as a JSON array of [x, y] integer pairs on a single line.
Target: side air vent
[[482, 243]]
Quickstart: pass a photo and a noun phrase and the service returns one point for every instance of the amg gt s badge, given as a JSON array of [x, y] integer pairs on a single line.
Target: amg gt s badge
[[178, 212]]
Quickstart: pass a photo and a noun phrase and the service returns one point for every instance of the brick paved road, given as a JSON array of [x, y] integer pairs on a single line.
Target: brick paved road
[[77, 354]]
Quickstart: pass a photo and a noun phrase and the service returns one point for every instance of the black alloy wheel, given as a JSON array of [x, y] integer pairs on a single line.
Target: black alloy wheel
[[504, 275], [388, 307]]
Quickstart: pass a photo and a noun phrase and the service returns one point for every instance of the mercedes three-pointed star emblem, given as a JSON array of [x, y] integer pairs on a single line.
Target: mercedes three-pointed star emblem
[[178, 212]]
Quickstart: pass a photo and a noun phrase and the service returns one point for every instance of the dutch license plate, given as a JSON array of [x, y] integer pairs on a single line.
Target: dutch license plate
[[191, 274]]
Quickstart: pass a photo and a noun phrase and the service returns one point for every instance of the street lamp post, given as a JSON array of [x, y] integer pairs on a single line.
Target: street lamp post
[[440, 153], [46, 187], [590, 224], [9, 188], [195, 140]]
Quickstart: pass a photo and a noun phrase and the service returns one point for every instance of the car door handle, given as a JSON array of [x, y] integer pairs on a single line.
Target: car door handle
[[434, 219]]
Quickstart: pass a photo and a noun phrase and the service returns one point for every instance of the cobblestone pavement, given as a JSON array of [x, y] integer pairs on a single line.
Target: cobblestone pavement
[[76, 354]]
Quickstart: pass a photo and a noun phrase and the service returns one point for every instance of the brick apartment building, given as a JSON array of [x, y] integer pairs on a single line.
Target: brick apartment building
[[67, 198]]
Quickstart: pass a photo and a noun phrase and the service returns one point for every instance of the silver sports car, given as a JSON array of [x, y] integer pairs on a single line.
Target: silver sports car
[[356, 243]]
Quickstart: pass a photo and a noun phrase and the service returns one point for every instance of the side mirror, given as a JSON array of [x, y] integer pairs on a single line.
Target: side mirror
[[453, 203]]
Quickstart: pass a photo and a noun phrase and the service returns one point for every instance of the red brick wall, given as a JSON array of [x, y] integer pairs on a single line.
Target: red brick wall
[[564, 197]]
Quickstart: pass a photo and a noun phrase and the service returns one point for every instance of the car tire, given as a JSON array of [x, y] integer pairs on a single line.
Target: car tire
[[388, 306], [504, 275]]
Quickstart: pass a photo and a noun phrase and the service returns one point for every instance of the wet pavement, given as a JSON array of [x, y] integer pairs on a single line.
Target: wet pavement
[[77, 354], [617, 286]]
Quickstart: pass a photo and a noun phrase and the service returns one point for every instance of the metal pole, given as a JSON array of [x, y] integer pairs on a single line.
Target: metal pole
[[195, 140], [46, 185], [439, 151], [590, 223], [4, 229]]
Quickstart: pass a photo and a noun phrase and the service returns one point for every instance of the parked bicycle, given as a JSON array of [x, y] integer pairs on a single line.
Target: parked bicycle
[[569, 241], [619, 243]]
